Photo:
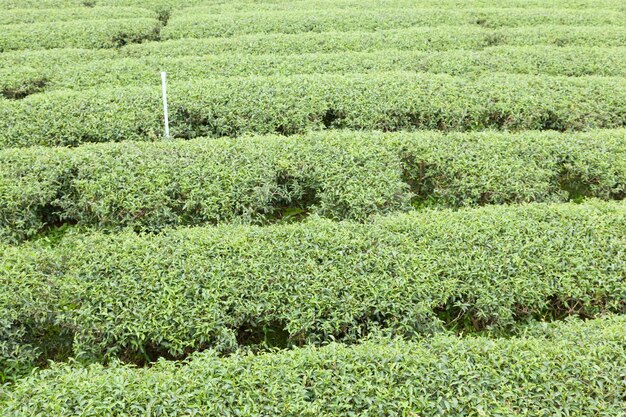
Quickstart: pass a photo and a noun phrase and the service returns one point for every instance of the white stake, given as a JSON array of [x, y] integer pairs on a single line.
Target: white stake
[[167, 123]]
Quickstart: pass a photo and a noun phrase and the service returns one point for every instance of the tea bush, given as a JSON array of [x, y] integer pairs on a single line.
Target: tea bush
[[387, 101], [245, 5], [411, 39], [191, 23], [219, 7], [15, 16], [139, 297], [569, 61], [576, 368], [339, 175], [78, 34]]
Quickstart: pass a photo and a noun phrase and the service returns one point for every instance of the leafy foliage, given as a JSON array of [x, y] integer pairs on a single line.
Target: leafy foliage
[[78, 34], [239, 5], [570, 61], [294, 104], [126, 295], [409, 39], [574, 368], [286, 5], [339, 175], [450, 309], [193, 23], [16, 16]]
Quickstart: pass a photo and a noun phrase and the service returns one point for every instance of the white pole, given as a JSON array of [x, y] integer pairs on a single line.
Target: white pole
[[167, 123]]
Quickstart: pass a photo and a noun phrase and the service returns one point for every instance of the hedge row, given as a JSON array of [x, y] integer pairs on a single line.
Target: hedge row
[[246, 5], [293, 104], [191, 24], [341, 175], [78, 34], [156, 5], [142, 296], [576, 369], [427, 39], [15, 16], [414, 39], [38, 58], [315, 5], [578, 61]]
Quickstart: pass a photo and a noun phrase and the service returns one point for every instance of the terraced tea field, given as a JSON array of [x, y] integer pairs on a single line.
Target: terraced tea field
[[365, 208]]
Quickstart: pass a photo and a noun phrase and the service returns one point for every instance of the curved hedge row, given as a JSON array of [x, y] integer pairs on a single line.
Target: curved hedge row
[[156, 5], [568, 61], [577, 369], [340, 175], [247, 4], [15, 16], [414, 39], [199, 25], [78, 34], [420, 39], [136, 296], [389, 101], [289, 5], [37, 58]]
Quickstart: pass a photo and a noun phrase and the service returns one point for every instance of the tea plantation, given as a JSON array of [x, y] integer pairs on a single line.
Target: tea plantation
[[364, 208]]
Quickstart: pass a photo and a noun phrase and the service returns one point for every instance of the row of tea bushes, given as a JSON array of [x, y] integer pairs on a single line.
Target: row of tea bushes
[[274, 5], [191, 23], [536, 60], [339, 175], [414, 39], [78, 34], [576, 368], [15, 16], [289, 5], [287, 105], [157, 5], [142, 296]]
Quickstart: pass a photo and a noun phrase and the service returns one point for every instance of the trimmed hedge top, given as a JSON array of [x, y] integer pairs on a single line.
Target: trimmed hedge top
[[339, 175], [549, 60], [78, 34], [574, 368], [238, 4], [193, 24], [15, 16], [412, 39], [294, 104], [136, 296]]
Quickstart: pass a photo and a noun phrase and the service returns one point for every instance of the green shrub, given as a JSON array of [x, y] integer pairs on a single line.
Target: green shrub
[[27, 335], [577, 371], [550, 60], [78, 34], [193, 24], [246, 5], [294, 104], [340, 175], [15, 16], [314, 5], [148, 4], [141, 296], [52, 58], [411, 39]]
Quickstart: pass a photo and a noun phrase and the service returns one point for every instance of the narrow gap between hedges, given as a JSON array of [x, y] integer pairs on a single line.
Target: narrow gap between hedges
[[32, 86], [163, 14]]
